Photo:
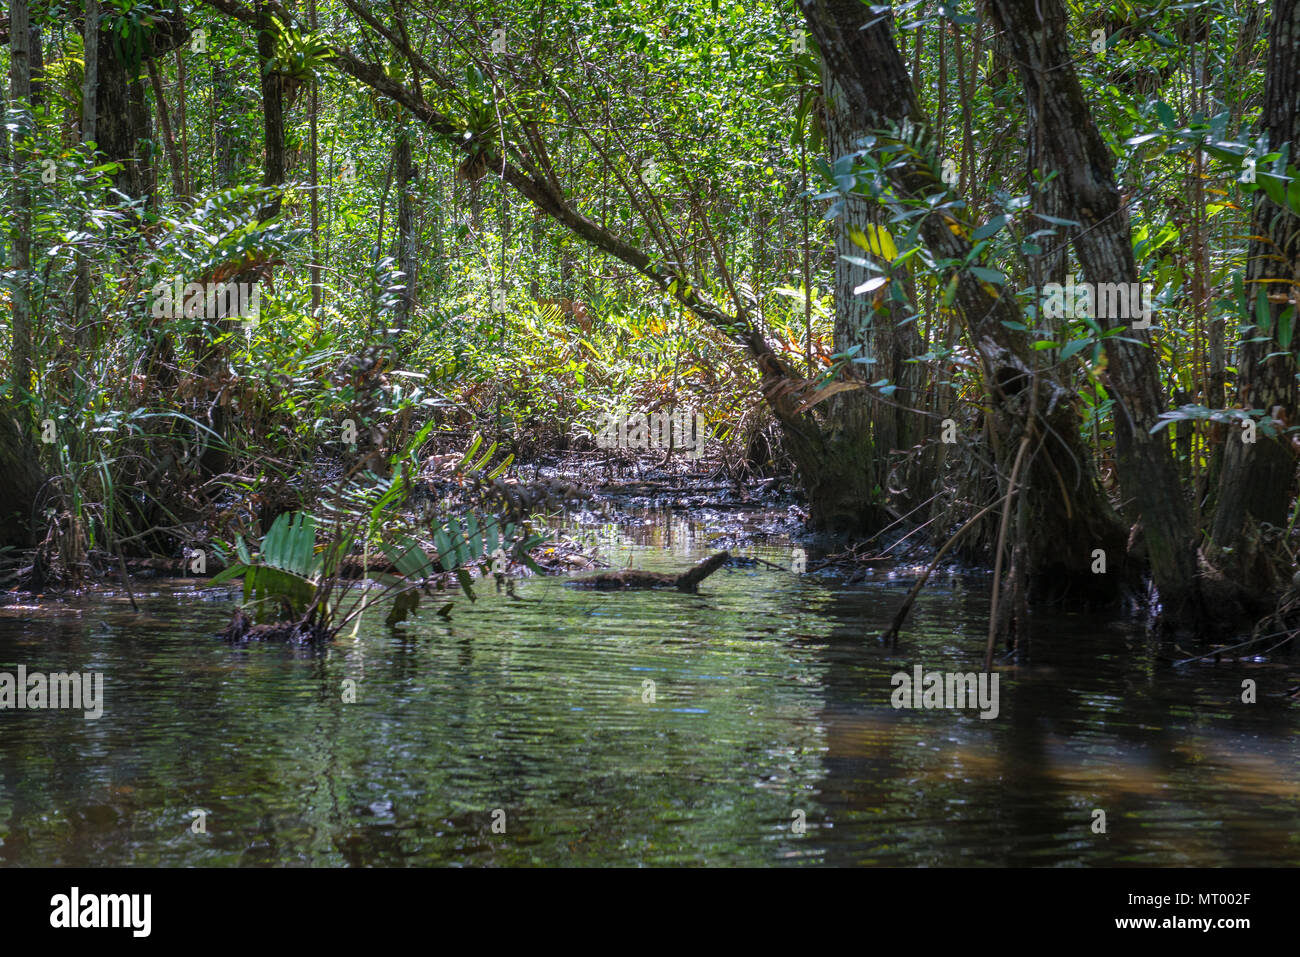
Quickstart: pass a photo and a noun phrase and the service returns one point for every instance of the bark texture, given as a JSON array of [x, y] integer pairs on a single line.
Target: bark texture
[[1068, 144], [1258, 479]]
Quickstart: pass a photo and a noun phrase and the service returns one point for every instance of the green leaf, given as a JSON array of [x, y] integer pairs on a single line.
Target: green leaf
[[1057, 220], [409, 558], [1263, 315], [487, 457], [403, 605], [291, 543], [871, 285], [466, 584], [989, 229], [1284, 327], [269, 583], [457, 539], [232, 571], [446, 554], [473, 447], [1073, 346], [988, 275], [949, 292], [1274, 186]]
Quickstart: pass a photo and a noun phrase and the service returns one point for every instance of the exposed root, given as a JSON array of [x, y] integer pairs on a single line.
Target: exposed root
[[302, 631]]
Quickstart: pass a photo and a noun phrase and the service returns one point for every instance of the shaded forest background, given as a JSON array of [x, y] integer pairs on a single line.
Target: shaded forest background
[[827, 226]]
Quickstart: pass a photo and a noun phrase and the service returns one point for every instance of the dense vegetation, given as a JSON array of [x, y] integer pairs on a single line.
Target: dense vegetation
[[829, 227]]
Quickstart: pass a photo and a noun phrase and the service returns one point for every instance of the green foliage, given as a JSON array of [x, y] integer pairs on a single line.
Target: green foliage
[[287, 565], [723, 99], [299, 55]]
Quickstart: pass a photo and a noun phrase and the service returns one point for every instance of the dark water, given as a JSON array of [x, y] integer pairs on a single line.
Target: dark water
[[771, 697]]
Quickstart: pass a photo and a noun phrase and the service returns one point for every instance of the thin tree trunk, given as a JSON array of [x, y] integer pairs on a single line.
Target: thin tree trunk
[[313, 174], [37, 52], [408, 258], [224, 143], [169, 142], [20, 93], [89, 97], [182, 95]]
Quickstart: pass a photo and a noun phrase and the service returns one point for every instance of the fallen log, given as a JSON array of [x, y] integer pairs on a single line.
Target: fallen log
[[688, 581]]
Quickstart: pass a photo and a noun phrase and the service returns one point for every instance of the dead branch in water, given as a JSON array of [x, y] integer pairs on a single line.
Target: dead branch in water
[[636, 578], [892, 634]]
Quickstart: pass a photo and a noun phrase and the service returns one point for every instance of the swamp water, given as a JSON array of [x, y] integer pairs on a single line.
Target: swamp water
[[770, 706]]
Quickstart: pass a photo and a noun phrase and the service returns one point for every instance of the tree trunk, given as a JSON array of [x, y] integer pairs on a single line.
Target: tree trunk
[[122, 123], [20, 93], [272, 108], [408, 256], [854, 452], [1066, 511], [1258, 479], [1069, 145], [182, 115], [89, 93], [36, 51], [164, 121], [864, 427], [225, 145], [313, 179], [19, 464], [122, 120], [18, 458]]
